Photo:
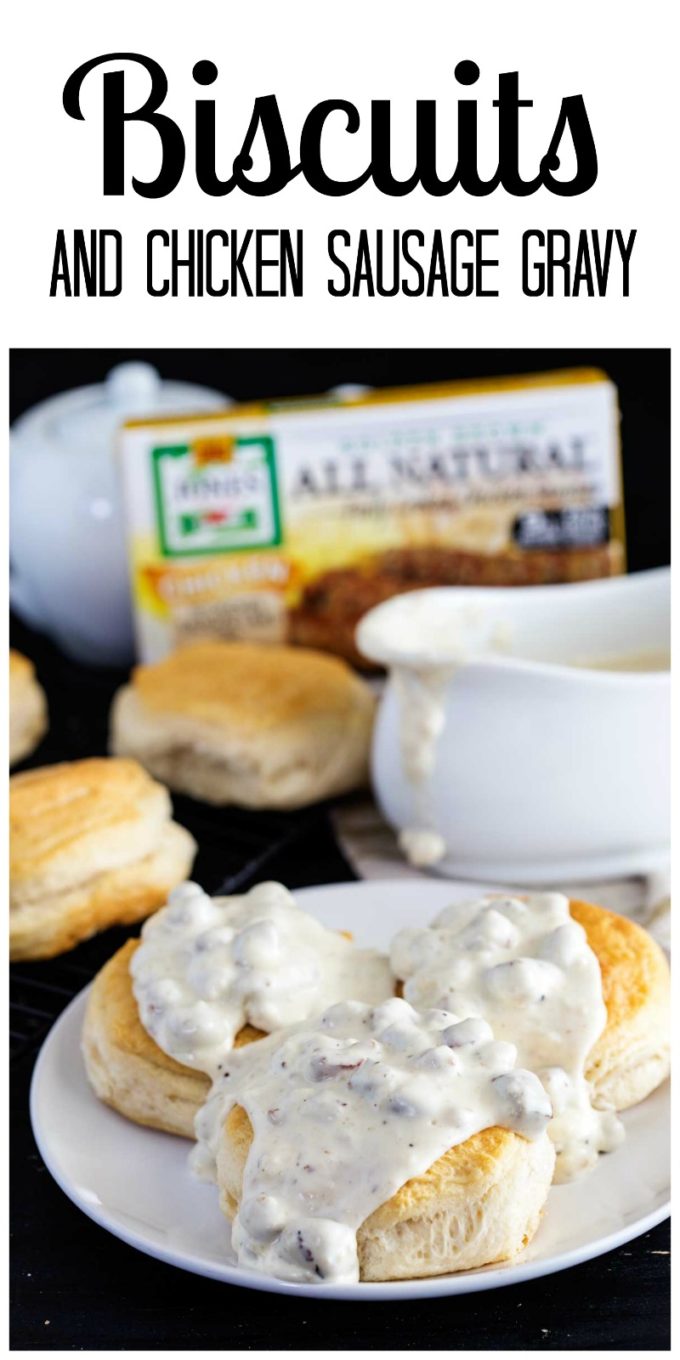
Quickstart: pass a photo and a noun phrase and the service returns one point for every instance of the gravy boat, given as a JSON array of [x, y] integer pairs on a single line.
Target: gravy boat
[[544, 769]]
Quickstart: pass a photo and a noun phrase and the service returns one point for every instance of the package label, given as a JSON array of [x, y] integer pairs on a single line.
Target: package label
[[216, 495], [288, 522]]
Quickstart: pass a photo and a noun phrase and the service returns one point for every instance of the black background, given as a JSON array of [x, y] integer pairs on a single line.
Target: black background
[[76, 1287]]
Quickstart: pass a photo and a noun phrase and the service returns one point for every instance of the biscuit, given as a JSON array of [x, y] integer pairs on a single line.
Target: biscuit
[[126, 1069], [258, 726], [130, 1072], [479, 1204], [27, 708], [632, 1055], [125, 1066], [91, 845]]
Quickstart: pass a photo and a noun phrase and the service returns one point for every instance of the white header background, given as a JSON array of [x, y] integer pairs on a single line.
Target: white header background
[[619, 56]]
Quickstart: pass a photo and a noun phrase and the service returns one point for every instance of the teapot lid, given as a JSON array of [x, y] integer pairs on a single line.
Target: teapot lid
[[89, 416]]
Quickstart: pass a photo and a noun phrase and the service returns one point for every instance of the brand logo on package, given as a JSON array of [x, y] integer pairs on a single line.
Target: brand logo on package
[[217, 494]]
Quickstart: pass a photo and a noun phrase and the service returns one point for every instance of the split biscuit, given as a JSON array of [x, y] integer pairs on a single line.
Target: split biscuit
[[92, 845], [27, 708], [257, 726]]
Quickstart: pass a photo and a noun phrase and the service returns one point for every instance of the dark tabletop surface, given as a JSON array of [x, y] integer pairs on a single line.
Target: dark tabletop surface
[[74, 1286]]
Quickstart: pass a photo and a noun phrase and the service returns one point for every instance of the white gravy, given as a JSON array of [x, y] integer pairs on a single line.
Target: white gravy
[[422, 846], [208, 966], [421, 696], [526, 966], [345, 1109]]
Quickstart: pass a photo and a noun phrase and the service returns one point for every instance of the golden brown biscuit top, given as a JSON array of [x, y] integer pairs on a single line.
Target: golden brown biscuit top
[[465, 1164], [114, 984], [633, 966], [64, 817], [253, 688], [127, 1032]]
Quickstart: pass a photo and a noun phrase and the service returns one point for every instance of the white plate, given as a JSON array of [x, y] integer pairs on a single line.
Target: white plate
[[136, 1183]]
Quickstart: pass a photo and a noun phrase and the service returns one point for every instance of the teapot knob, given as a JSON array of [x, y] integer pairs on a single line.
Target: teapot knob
[[133, 386]]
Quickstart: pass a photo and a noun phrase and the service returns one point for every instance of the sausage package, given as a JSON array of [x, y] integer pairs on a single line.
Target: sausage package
[[285, 521]]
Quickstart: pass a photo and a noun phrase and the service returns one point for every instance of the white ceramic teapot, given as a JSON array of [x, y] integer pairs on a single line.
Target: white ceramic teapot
[[69, 573]]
